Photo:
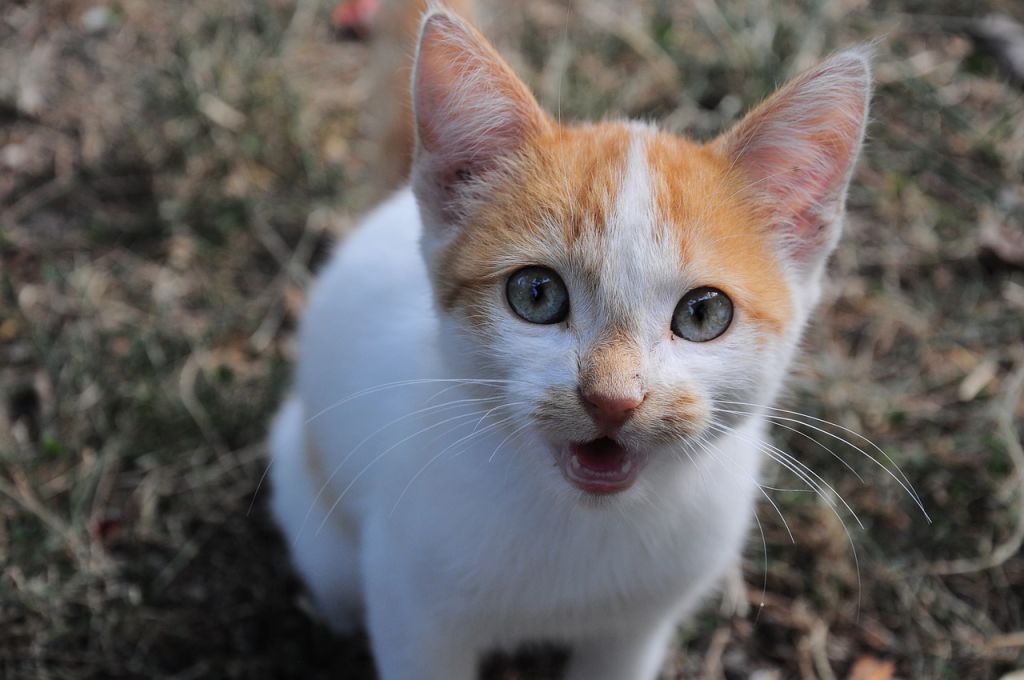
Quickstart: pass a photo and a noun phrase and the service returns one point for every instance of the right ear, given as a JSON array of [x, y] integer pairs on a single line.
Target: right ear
[[797, 150], [472, 115]]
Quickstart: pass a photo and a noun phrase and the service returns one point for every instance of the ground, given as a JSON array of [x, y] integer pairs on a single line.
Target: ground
[[172, 173]]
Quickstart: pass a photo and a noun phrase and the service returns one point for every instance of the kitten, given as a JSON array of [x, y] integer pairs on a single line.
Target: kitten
[[517, 412]]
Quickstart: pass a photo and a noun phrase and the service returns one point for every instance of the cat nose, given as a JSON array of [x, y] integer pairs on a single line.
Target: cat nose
[[611, 410]]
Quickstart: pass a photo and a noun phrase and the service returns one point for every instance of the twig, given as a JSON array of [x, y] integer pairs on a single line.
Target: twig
[[182, 559], [36, 199], [1007, 641], [187, 394], [21, 493], [713, 658], [1014, 450], [62, 183], [301, 24], [819, 652], [294, 265], [636, 38], [275, 245]]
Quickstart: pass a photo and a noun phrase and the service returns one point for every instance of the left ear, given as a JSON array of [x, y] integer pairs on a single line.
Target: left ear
[[796, 153], [472, 118]]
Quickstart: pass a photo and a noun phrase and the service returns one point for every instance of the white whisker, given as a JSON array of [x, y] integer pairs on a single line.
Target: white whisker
[[795, 469], [437, 408], [905, 483], [711, 451], [445, 450], [259, 485], [507, 437], [806, 474], [380, 455], [409, 383]]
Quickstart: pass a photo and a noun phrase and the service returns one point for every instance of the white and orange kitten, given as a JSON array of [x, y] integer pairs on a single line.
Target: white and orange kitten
[[515, 416]]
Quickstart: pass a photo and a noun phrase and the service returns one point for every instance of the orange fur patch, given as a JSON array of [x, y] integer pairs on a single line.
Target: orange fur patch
[[567, 177], [719, 230], [612, 368], [667, 414]]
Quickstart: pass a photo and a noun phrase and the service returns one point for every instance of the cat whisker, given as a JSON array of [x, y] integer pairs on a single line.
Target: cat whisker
[[764, 549], [484, 416], [386, 451], [904, 483], [449, 388], [688, 449], [507, 437], [490, 427], [819, 486], [259, 486], [437, 408], [266, 470], [445, 450], [689, 456], [793, 465], [785, 489], [835, 455], [462, 417], [708, 447], [379, 456], [410, 383], [706, 444], [836, 425]]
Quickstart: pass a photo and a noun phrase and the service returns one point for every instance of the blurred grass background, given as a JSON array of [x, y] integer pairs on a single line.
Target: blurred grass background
[[171, 174]]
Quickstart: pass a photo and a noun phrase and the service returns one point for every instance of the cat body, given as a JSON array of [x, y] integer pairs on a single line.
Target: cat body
[[486, 553], [506, 424]]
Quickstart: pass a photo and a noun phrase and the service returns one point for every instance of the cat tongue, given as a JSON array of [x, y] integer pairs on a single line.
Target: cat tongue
[[601, 466]]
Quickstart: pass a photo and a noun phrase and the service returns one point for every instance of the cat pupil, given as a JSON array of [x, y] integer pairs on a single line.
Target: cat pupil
[[699, 313], [537, 289]]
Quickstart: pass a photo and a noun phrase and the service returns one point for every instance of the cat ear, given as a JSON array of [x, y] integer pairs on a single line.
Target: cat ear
[[472, 115], [796, 152]]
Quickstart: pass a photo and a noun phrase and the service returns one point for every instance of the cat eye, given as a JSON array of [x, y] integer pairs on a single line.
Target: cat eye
[[538, 295], [703, 314]]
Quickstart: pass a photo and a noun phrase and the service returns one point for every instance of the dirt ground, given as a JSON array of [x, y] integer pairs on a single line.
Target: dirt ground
[[172, 172]]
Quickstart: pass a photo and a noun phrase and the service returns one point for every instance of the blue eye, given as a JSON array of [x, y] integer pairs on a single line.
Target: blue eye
[[538, 295], [703, 314]]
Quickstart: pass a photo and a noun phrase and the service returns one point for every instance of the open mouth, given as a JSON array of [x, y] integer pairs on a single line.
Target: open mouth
[[602, 466]]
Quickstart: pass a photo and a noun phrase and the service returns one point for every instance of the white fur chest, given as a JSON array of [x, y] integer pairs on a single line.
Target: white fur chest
[[528, 564]]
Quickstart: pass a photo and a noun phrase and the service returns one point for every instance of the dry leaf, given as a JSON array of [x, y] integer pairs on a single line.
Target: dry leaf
[[977, 380], [870, 668]]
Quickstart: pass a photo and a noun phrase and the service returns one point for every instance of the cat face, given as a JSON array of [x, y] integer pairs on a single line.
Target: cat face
[[623, 282]]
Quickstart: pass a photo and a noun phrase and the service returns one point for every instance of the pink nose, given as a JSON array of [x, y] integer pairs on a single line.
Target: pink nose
[[611, 411]]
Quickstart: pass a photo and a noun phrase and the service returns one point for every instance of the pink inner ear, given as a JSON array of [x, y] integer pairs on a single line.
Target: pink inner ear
[[471, 110], [796, 151]]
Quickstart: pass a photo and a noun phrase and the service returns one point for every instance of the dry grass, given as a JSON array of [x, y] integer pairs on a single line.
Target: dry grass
[[169, 178]]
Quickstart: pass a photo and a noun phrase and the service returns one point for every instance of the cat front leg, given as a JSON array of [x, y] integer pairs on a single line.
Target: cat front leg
[[636, 654], [414, 629], [408, 645], [397, 659]]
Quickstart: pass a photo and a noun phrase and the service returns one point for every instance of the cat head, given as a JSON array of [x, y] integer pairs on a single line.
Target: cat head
[[625, 283]]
